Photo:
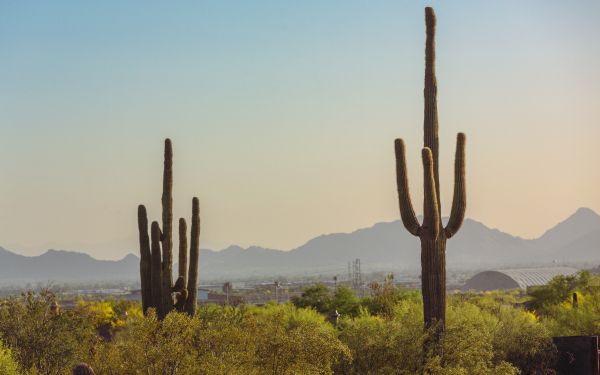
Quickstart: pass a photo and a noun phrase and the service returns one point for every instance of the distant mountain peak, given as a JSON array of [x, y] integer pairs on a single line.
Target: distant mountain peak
[[130, 257], [53, 252], [581, 222], [583, 215], [232, 248], [585, 211]]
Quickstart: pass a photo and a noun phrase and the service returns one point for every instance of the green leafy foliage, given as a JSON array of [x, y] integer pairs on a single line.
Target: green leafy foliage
[[224, 340], [558, 290], [345, 301], [41, 340], [317, 296], [8, 364], [486, 333], [386, 296], [384, 346], [148, 347]]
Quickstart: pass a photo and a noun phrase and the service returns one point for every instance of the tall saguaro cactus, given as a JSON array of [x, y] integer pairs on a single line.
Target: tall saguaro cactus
[[156, 253], [432, 233], [167, 227]]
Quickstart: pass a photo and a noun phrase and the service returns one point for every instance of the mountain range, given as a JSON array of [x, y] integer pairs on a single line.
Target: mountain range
[[384, 246]]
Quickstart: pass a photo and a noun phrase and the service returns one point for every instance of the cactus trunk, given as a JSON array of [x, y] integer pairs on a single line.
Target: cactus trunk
[[145, 258], [192, 287], [156, 269], [431, 232], [167, 227], [182, 250], [433, 281]]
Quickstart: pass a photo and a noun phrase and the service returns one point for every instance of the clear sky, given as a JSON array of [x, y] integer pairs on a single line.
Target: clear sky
[[283, 115]]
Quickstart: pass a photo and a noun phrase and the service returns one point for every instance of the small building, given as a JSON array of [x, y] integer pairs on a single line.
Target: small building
[[203, 295], [520, 278]]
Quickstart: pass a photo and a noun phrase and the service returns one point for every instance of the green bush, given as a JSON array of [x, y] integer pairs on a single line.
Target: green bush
[[8, 364], [41, 340], [566, 320], [385, 296], [291, 341], [487, 333], [150, 347], [317, 297], [560, 289], [276, 339], [384, 346]]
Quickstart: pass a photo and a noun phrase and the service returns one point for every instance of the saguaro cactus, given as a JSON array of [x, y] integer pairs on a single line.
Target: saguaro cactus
[[431, 232], [156, 259]]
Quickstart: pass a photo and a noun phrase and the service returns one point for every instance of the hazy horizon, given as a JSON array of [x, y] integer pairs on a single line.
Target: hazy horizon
[[283, 116], [136, 252]]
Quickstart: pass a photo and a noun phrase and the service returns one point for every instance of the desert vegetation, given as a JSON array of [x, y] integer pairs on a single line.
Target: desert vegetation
[[487, 333]]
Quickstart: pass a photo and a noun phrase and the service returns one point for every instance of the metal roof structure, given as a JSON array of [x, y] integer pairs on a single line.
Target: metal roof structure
[[515, 278]]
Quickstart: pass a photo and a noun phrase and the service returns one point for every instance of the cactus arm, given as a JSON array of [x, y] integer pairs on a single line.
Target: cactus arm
[[407, 212], [182, 249], [156, 275], [459, 201], [167, 227], [192, 288], [145, 256], [430, 118], [431, 215]]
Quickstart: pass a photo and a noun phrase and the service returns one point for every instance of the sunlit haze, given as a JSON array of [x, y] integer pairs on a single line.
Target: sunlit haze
[[283, 116]]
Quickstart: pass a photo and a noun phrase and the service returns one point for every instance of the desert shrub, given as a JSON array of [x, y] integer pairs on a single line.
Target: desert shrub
[[560, 289], [567, 320], [225, 341], [276, 339], [468, 344], [147, 346], [394, 344], [491, 301], [518, 335], [317, 297], [291, 340], [8, 364], [435, 366], [42, 341], [385, 296], [522, 340], [108, 317], [323, 300], [489, 333], [383, 346], [345, 301]]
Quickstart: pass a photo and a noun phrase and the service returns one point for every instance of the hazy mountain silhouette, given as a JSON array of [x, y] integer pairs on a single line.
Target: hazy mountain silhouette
[[583, 222], [382, 246], [59, 265]]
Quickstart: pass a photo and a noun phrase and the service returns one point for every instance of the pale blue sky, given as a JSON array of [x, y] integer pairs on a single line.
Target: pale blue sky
[[283, 115]]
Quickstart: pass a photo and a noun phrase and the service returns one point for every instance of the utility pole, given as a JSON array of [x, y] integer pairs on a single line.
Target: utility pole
[[227, 288], [356, 274], [277, 291], [350, 277]]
